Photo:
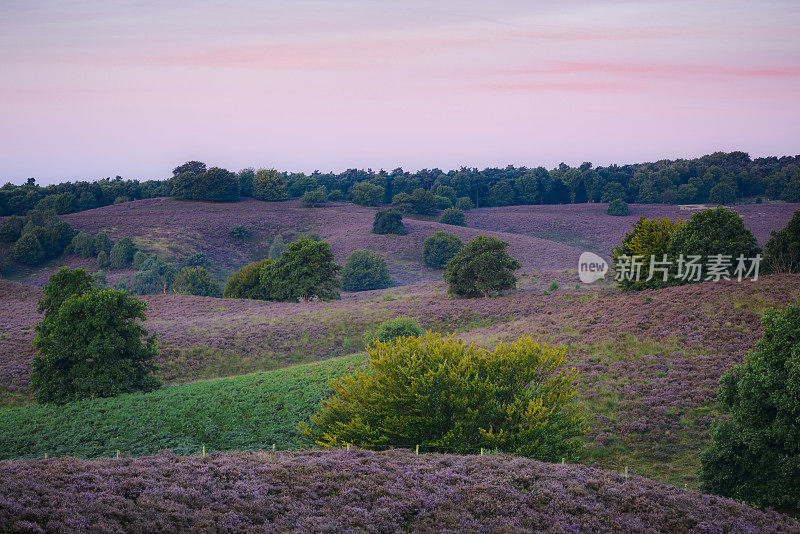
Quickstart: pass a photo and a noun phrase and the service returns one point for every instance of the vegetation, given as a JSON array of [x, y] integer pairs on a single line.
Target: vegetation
[[276, 248], [270, 185], [439, 248], [649, 237], [782, 251], [107, 358], [388, 222], [304, 271], [246, 282], [366, 194], [396, 328], [480, 268], [365, 270], [122, 253], [42, 237], [617, 207], [192, 181], [196, 281], [755, 455], [11, 229], [441, 393], [315, 198], [239, 232], [453, 216]]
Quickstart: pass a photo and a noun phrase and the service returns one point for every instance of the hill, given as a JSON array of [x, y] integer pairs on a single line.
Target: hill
[[355, 491]]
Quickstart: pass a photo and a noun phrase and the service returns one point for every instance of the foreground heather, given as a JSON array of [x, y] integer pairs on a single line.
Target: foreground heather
[[354, 491]]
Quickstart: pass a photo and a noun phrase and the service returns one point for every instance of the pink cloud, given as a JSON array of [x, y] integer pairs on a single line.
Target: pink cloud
[[657, 70]]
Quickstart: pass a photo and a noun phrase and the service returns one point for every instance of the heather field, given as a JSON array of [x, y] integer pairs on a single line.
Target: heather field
[[354, 491]]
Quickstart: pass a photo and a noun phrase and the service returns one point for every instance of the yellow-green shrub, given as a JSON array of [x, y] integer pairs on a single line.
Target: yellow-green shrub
[[648, 237]]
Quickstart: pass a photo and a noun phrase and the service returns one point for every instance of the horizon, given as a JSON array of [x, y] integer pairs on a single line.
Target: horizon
[[99, 89]]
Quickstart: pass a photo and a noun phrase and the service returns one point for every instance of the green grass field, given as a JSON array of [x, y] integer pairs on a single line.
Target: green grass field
[[244, 413]]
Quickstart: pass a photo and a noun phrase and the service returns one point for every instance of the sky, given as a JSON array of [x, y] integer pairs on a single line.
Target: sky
[[91, 89]]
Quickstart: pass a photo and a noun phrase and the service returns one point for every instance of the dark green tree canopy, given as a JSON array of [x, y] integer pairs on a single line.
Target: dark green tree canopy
[[782, 251], [453, 216], [196, 281], [617, 207], [388, 222], [304, 271], [365, 270], [480, 268], [714, 231], [270, 185], [755, 453], [439, 248]]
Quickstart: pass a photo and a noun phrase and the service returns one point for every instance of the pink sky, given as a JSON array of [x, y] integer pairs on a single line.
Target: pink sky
[[99, 88]]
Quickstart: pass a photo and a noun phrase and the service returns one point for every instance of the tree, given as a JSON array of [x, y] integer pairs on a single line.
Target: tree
[[270, 185], [191, 167], [315, 198], [722, 193], [246, 282], [218, 185], [755, 453], [388, 222], [122, 253], [365, 270], [28, 249], [246, 181], [366, 194], [782, 251], [403, 203], [102, 243], [613, 191], [11, 230], [102, 259], [617, 207], [445, 395], [108, 358], [481, 267], [276, 248], [305, 270], [196, 281], [439, 248], [648, 237], [423, 201], [83, 245], [464, 204], [392, 329], [453, 216]]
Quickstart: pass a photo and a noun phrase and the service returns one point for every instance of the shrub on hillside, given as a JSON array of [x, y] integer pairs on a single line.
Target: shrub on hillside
[[270, 185], [392, 329], [192, 181], [102, 243], [403, 203], [246, 282], [480, 268], [11, 230], [83, 245], [102, 259], [442, 202], [239, 232], [464, 204], [28, 249], [453, 216], [755, 453], [782, 251], [366, 194], [518, 398], [304, 271], [713, 232], [196, 281], [107, 359], [439, 248], [122, 253], [315, 198], [276, 248], [388, 222], [154, 275], [365, 270], [245, 177], [617, 207], [423, 201], [648, 237]]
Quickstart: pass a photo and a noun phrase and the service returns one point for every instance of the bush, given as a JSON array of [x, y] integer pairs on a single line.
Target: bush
[[388, 222], [315, 198], [102, 243], [246, 282], [276, 248], [403, 203], [782, 251], [617, 207], [28, 249], [83, 245], [122, 253], [392, 329], [442, 203], [270, 185], [453, 216], [102, 259], [481, 267], [239, 232], [722, 193], [192, 181], [196, 281], [423, 201], [366, 194], [154, 276], [464, 204], [613, 191], [197, 259], [365, 270], [107, 359], [755, 453], [11, 230], [553, 285], [335, 195], [711, 232], [648, 237], [305, 271], [518, 398], [439, 248]]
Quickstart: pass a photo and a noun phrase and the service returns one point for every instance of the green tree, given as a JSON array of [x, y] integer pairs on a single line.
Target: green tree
[[439, 248], [270, 185], [617, 207], [315, 198], [722, 193], [403, 203], [755, 451], [480, 268], [423, 201], [196, 281], [276, 248], [464, 203], [11, 230], [647, 238], [218, 185], [613, 191], [782, 251], [365, 270], [122, 253], [392, 329], [102, 243], [246, 181], [445, 395], [102, 259], [83, 245], [246, 282], [28, 249], [453, 216], [108, 358], [366, 194], [305, 271], [388, 222]]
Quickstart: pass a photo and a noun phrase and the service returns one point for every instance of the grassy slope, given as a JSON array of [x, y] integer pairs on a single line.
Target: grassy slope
[[245, 413]]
